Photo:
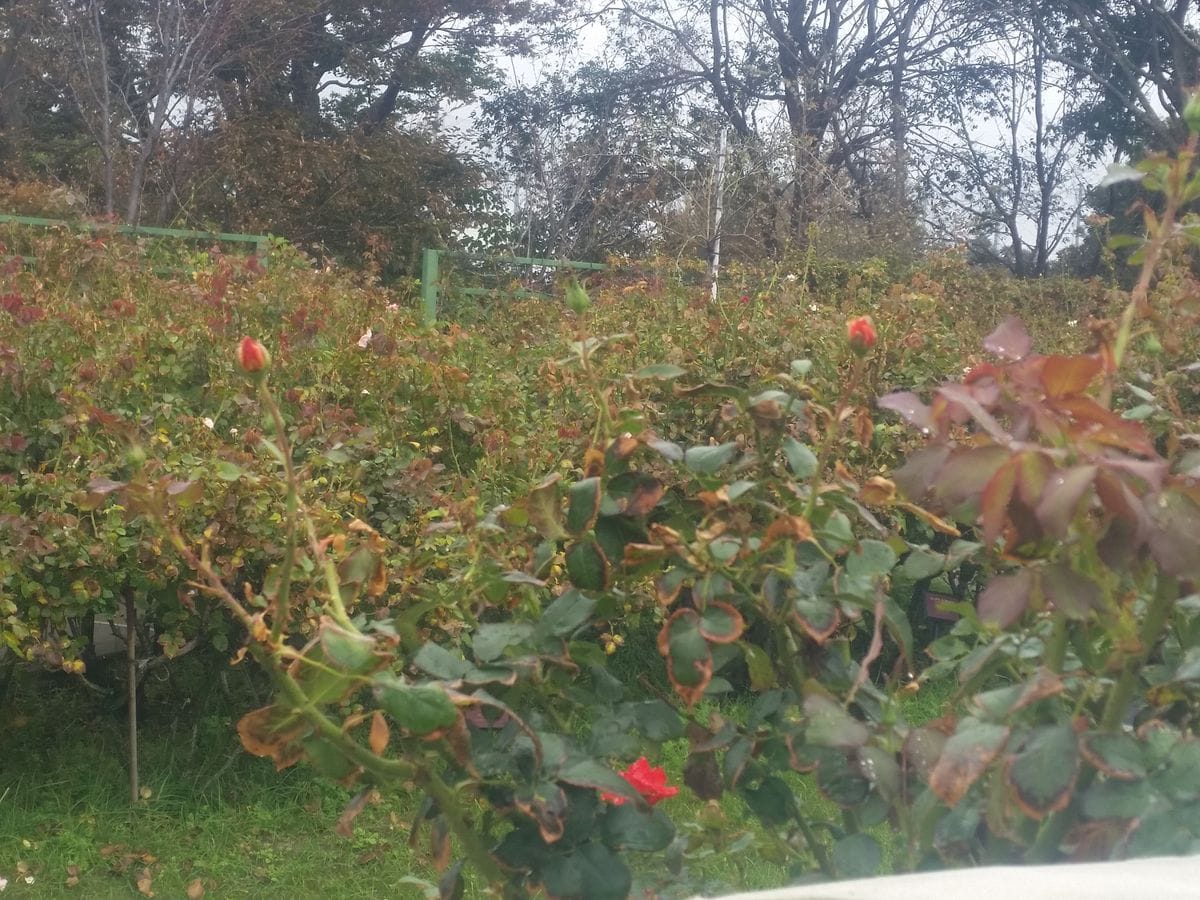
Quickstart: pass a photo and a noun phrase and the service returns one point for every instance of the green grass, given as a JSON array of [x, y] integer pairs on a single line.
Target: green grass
[[216, 814]]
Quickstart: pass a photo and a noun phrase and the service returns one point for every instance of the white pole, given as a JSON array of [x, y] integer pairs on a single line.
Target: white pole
[[715, 267]]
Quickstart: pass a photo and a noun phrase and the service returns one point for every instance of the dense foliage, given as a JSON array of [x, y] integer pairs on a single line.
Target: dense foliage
[[449, 568]]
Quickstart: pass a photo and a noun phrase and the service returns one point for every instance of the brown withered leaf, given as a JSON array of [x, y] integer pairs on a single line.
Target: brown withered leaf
[[794, 528], [439, 844], [145, 883], [645, 497], [965, 757], [878, 491], [195, 889], [379, 735], [345, 822], [593, 463], [271, 732]]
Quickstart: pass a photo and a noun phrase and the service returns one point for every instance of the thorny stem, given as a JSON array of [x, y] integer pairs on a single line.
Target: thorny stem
[[1056, 645], [1139, 296], [1166, 592], [831, 434], [447, 802], [283, 595]]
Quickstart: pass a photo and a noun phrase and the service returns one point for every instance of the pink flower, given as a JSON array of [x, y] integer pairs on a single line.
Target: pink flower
[[252, 356], [860, 332], [650, 782], [745, 298]]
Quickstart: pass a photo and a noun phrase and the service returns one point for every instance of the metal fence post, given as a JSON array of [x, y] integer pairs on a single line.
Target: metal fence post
[[429, 285]]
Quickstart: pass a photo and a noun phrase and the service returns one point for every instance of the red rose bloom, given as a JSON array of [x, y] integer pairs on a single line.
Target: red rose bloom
[[650, 782], [861, 334], [252, 356]]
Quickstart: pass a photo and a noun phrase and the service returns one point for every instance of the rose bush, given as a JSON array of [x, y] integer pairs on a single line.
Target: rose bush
[[437, 613]]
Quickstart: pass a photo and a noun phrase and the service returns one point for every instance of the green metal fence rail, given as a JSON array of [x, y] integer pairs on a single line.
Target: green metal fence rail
[[431, 274], [261, 242]]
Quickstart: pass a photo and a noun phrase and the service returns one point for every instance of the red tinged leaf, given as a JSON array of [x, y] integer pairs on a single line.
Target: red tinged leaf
[[1064, 491], [1066, 375], [1091, 423], [961, 481], [910, 408], [966, 399], [1006, 598], [1072, 594], [993, 506], [920, 471], [1010, 340], [1033, 468], [1175, 536]]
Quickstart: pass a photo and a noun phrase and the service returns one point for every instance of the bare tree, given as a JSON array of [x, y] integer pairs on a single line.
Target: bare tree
[[1001, 156], [130, 77]]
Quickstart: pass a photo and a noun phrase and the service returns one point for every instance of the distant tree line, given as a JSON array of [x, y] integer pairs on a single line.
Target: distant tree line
[[367, 130]]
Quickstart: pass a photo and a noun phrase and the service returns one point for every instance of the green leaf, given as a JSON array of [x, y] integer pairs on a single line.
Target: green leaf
[[1117, 799], [689, 658], [800, 459], [857, 856], [758, 663], [491, 639], [588, 773], [659, 372], [1117, 756], [657, 720], [436, 660], [922, 563], [348, 650], [1042, 775], [565, 615], [1181, 779], [590, 872], [421, 709], [326, 758], [872, 559], [587, 566], [771, 800], [627, 827], [707, 460], [720, 623], [583, 506], [227, 471], [829, 725]]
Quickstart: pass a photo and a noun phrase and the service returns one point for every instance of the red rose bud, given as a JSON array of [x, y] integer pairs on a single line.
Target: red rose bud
[[650, 782], [861, 334], [252, 356]]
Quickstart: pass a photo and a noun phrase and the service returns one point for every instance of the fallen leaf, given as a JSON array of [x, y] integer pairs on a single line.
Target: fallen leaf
[[145, 882], [195, 889]]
